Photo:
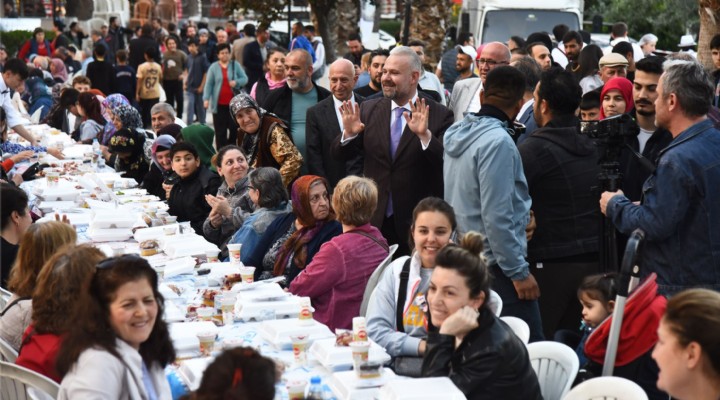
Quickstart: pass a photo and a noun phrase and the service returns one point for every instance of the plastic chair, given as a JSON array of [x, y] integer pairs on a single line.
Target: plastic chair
[[7, 352], [519, 327], [20, 383], [375, 278], [608, 388], [4, 298], [495, 303], [555, 365]]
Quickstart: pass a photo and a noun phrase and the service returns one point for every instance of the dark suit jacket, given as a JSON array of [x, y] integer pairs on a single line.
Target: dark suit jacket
[[528, 119], [279, 101], [321, 130], [253, 63], [137, 50], [413, 174]]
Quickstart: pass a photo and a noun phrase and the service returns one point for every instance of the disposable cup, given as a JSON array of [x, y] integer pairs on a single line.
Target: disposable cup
[[227, 306], [212, 256], [170, 219], [360, 352], [53, 178], [205, 313], [247, 274], [170, 230], [299, 345], [207, 342], [234, 252], [296, 390]]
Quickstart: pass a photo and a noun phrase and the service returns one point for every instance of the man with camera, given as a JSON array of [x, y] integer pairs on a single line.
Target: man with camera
[[680, 209], [561, 168]]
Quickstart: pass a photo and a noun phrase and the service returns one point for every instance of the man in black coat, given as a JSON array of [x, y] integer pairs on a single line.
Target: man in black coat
[[324, 124], [142, 43], [254, 55]]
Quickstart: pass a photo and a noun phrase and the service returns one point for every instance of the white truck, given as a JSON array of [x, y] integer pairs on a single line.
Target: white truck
[[497, 20]]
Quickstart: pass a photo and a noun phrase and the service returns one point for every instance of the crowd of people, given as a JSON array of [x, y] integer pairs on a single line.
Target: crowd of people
[[472, 177]]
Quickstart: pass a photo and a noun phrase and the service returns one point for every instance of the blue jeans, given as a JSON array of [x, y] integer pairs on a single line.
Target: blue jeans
[[526, 310], [195, 107]]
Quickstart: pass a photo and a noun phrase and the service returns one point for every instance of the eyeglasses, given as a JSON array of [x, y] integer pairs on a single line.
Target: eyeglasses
[[110, 262], [490, 63]]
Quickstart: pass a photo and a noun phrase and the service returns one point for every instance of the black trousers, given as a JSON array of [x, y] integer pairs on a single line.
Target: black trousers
[[225, 127], [145, 106], [390, 234], [174, 95]]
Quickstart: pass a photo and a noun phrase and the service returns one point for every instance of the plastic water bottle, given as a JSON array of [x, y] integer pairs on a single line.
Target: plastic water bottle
[[97, 153], [315, 392]]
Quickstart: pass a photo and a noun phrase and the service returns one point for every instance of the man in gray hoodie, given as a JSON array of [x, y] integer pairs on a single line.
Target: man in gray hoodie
[[485, 184]]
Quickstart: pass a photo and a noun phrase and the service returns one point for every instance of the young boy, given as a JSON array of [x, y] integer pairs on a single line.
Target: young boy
[[149, 79], [125, 81], [197, 67], [101, 72], [590, 106]]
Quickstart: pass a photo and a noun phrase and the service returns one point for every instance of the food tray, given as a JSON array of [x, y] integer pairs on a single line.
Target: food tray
[[109, 235], [153, 233], [114, 221], [184, 334], [57, 194], [346, 385], [262, 292], [287, 309], [339, 358], [277, 332], [421, 389], [192, 370]]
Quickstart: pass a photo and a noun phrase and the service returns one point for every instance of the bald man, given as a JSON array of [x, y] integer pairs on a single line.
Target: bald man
[[324, 124], [466, 93], [291, 101]]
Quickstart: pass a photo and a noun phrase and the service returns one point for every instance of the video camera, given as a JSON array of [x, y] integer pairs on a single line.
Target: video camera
[[610, 135]]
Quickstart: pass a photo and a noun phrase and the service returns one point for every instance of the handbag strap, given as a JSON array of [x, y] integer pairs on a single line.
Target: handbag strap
[[379, 243], [402, 295], [13, 303]]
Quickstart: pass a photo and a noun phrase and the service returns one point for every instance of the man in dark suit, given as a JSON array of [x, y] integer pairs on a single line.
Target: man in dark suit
[[253, 57], [531, 71], [324, 125], [142, 43], [400, 138]]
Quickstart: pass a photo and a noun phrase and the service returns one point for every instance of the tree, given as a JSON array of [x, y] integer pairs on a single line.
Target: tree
[[266, 11], [428, 22], [709, 27]]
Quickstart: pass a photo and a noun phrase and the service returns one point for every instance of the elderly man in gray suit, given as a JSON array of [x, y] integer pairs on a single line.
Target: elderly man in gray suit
[[466, 93]]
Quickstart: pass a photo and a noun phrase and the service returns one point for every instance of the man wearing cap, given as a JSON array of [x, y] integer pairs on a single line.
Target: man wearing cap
[[466, 93], [464, 65], [610, 66], [687, 45]]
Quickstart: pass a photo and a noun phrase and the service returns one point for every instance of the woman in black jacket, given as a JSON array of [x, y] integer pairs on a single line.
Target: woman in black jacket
[[466, 341], [186, 198]]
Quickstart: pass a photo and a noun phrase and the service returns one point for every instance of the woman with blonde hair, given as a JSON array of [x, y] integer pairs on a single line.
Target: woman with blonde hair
[[688, 347], [335, 279], [59, 285], [37, 245]]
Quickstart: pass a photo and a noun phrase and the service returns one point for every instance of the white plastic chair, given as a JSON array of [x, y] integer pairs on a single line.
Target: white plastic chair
[[19, 383], [555, 365], [375, 278], [495, 303], [7, 352], [519, 327], [4, 298], [607, 388]]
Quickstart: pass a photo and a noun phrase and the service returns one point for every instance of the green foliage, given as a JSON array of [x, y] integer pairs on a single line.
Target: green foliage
[[265, 11], [667, 19], [13, 40], [391, 26]]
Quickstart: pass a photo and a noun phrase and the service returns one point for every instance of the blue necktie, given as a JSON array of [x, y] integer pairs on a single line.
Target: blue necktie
[[395, 133]]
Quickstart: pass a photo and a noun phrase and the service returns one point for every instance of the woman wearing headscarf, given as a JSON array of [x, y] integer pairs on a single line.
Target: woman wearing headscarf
[[108, 105], [58, 70], [265, 139], [616, 97], [128, 146], [201, 136], [161, 166], [293, 239]]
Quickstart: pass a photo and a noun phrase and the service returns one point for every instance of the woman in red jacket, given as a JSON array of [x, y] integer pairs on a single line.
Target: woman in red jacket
[[36, 45]]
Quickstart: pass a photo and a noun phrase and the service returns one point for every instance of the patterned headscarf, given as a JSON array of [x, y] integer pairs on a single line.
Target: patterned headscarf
[[296, 245], [162, 143], [130, 141], [60, 70], [243, 101], [110, 103], [129, 116]]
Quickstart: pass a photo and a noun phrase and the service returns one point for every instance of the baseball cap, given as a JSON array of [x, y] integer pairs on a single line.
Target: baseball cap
[[203, 31], [613, 60], [467, 50]]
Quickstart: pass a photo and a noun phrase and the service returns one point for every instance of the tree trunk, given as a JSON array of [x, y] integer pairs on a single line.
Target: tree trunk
[[709, 27], [324, 17], [82, 9], [428, 21], [347, 14]]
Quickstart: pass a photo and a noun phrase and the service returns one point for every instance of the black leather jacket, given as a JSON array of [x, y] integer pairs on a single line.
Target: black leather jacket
[[491, 362]]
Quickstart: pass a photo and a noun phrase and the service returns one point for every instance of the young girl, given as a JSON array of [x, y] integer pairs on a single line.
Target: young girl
[[616, 97], [596, 294]]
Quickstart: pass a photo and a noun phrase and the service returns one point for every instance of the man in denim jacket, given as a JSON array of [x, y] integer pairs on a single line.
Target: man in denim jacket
[[680, 211]]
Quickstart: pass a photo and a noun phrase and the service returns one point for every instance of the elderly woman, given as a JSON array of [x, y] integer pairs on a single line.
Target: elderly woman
[[128, 147], [232, 203], [688, 348], [467, 342], [186, 198], [335, 280], [111, 103], [265, 139], [267, 192], [119, 345], [58, 70], [38, 244], [292, 240], [161, 167], [59, 285]]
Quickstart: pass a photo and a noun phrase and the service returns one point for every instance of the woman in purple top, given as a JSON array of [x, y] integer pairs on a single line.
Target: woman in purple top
[[336, 278]]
